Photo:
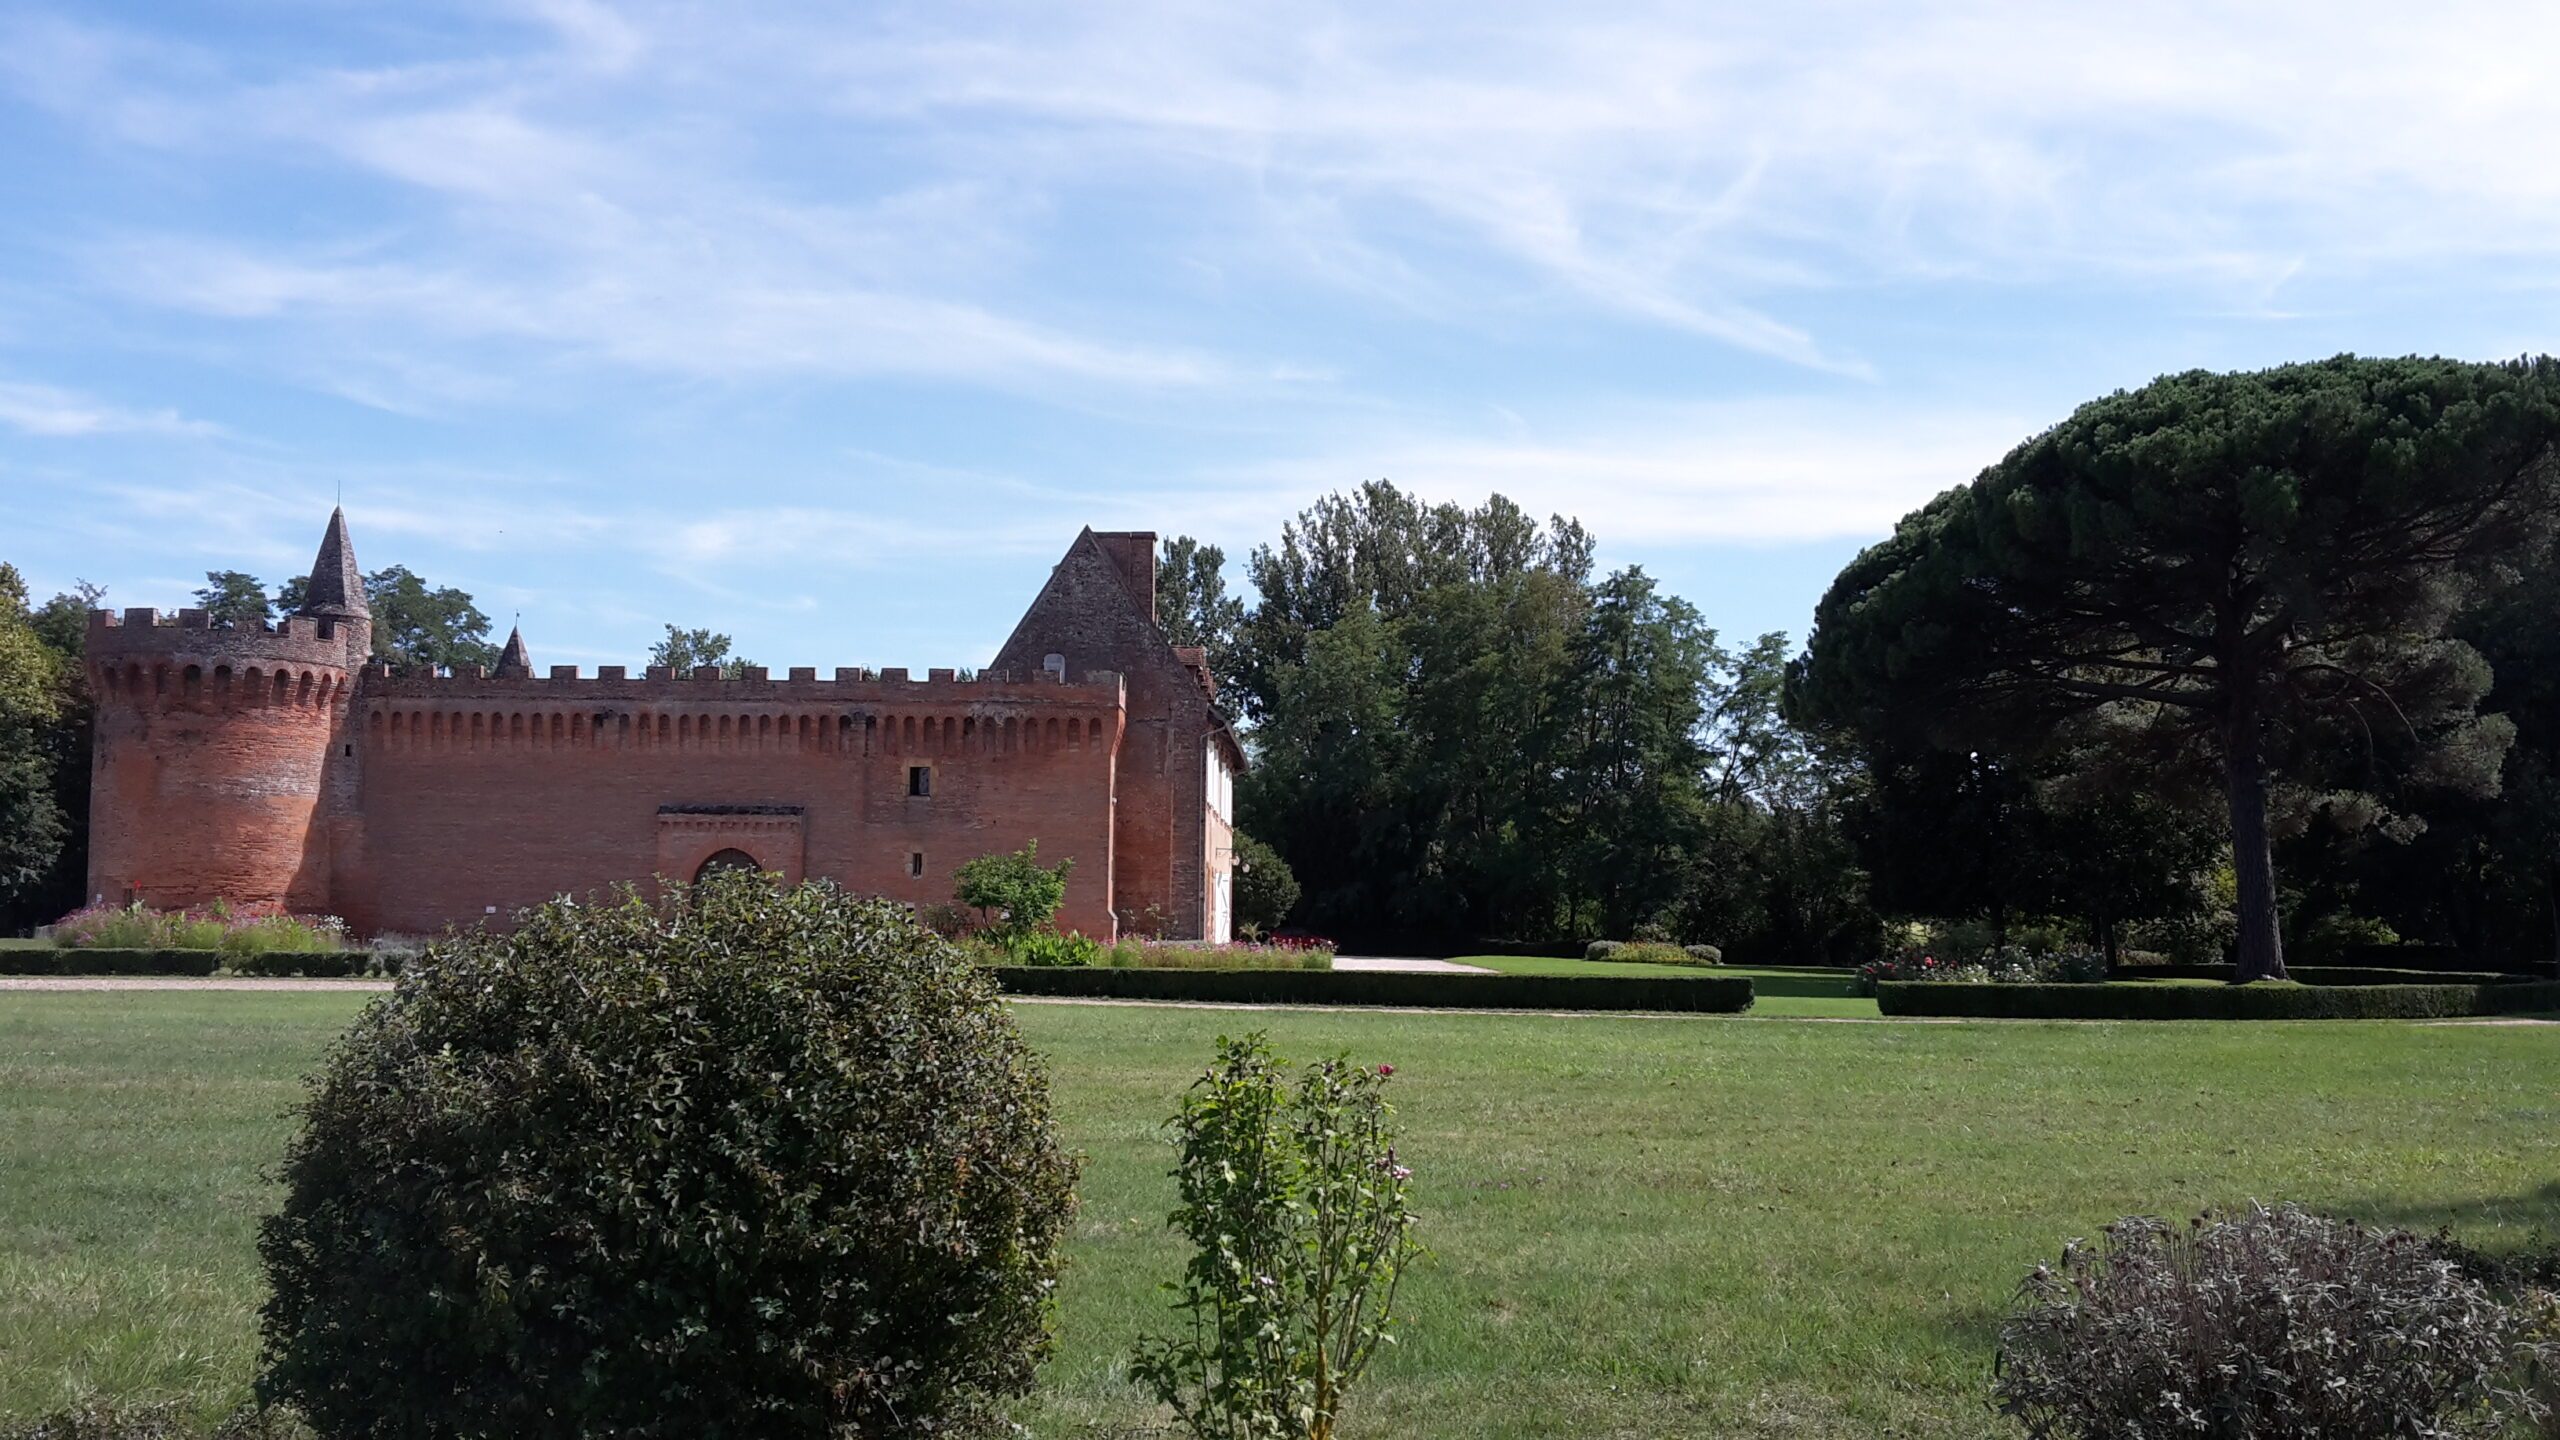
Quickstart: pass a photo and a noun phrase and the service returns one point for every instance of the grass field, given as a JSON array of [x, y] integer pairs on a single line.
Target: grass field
[[1643, 1226]]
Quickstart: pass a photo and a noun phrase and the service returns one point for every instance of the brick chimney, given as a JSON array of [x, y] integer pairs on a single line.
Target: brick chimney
[[1133, 553]]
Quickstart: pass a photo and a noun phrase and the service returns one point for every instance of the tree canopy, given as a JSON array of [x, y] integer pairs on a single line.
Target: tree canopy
[[33, 827], [415, 626], [1193, 603], [682, 651], [1459, 731], [2256, 572], [235, 597]]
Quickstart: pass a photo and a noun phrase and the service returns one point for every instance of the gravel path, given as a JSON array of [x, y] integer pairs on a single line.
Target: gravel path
[[1403, 965]]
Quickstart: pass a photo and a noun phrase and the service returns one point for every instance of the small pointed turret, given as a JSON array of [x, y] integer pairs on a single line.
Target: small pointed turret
[[515, 662], [336, 590]]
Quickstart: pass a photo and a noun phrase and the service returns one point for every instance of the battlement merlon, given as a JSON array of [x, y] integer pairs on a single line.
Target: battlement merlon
[[891, 689], [191, 636]]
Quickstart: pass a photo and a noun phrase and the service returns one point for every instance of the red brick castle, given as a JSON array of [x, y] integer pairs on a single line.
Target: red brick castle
[[275, 764]]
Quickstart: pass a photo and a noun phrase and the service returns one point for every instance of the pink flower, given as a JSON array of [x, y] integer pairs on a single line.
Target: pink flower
[[1385, 1070]]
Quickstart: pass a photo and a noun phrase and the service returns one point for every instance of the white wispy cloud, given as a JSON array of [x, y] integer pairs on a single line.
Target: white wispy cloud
[[711, 194], [1765, 472], [51, 411]]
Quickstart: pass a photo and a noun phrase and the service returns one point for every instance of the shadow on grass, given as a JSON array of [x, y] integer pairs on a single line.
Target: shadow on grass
[[2536, 1210], [1807, 984]]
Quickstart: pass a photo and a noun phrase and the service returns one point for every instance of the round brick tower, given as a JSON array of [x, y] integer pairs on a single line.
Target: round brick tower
[[214, 745]]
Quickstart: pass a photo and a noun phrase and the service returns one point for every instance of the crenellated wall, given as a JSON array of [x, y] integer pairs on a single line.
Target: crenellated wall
[[482, 795]]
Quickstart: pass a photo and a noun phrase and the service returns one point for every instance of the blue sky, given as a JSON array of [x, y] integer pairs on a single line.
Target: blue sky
[[828, 326]]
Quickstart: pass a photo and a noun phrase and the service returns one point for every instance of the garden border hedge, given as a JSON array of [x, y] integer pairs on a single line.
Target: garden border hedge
[[306, 964], [2330, 975], [2120, 1000], [1725, 995], [104, 961], [92, 960]]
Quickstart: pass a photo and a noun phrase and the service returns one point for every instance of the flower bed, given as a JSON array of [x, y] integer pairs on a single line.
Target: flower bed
[[1068, 950], [1651, 952], [1291, 954], [2005, 965], [233, 930]]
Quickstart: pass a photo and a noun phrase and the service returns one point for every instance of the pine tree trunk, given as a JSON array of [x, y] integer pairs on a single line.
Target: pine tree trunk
[[2252, 859]]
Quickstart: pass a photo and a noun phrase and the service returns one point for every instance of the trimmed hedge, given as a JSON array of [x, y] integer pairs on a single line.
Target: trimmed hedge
[[2262, 1001], [2328, 975], [107, 960], [316, 964], [1718, 995], [2439, 959], [104, 961]]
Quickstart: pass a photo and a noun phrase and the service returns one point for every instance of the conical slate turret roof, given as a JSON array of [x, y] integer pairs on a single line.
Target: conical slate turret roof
[[515, 659], [337, 587]]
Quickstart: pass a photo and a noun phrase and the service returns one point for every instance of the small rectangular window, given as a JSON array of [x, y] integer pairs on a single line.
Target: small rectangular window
[[915, 863], [920, 780]]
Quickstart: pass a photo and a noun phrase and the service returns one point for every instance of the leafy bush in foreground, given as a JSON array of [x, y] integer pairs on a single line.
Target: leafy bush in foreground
[[2274, 1325], [747, 1163], [1297, 1212]]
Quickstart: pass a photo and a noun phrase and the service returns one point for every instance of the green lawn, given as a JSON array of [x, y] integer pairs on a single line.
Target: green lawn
[[1655, 1226], [1776, 990]]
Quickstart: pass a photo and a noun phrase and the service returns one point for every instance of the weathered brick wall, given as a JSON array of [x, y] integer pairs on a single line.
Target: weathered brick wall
[[262, 764], [482, 793], [1098, 611]]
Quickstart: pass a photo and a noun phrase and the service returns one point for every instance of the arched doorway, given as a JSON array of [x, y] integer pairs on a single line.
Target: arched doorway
[[727, 860]]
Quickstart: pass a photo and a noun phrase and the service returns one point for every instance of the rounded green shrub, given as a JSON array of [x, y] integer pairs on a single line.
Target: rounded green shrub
[[742, 1163]]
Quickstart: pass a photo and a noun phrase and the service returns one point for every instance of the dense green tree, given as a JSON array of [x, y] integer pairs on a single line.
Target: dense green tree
[[2233, 566], [683, 650], [415, 626], [1398, 669], [1327, 786], [1193, 603], [1266, 889], [2482, 874], [62, 624], [1383, 549], [235, 597], [1631, 704], [33, 828]]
